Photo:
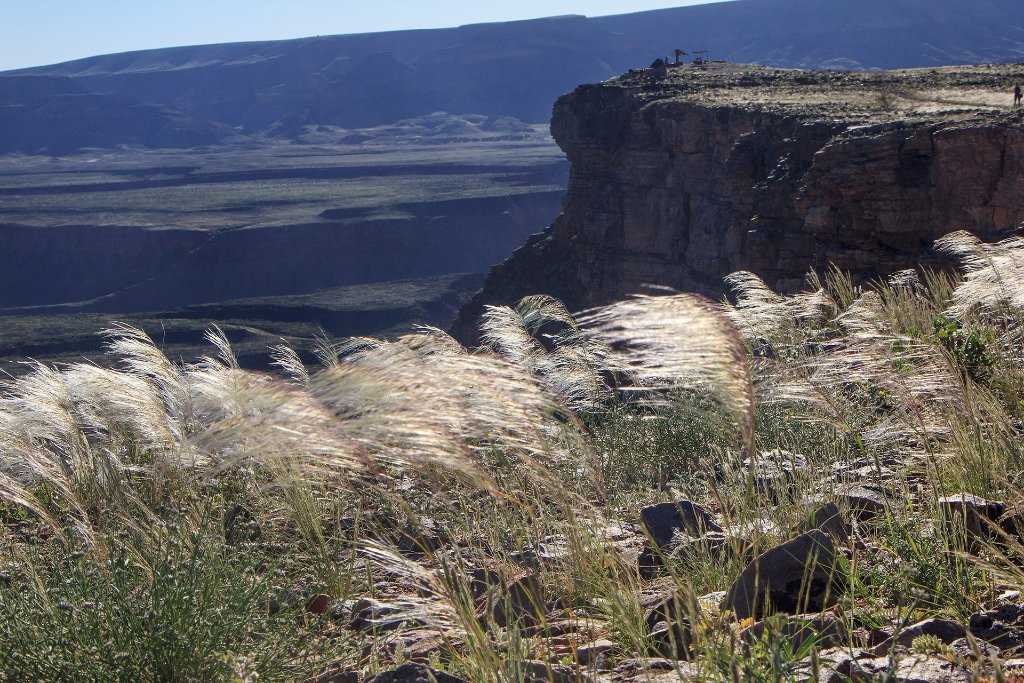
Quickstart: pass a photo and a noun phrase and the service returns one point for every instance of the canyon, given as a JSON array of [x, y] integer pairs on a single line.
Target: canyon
[[185, 186]]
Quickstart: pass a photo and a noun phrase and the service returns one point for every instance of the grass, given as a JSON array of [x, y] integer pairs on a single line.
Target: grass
[[324, 519], [180, 607]]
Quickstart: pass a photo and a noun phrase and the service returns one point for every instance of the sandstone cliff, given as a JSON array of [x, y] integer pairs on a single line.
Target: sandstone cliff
[[681, 178]]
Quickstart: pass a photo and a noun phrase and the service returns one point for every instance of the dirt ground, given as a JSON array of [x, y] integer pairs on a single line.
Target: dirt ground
[[947, 92]]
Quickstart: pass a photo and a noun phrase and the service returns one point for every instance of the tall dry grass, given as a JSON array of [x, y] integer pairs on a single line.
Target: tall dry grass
[[528, 439]]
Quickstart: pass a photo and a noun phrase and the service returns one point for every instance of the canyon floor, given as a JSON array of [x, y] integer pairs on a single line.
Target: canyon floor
[[275, 237]]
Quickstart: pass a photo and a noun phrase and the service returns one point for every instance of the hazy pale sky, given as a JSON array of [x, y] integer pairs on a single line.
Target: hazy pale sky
[[37, 32]]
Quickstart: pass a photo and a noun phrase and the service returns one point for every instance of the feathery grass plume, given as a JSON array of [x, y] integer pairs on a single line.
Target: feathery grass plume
[[762, 314], [907, 388], [504, 330], [409, 404], [680, 340], [567, 361], [140, 357], [993, 273], [284, 357], [118, 409], [865, 317], [85, 442], [912, 301], [574, 363], [838, 284], [548, 320], [25, 465], [81, 441], [572, 374], [225, 354], [50, 463], [434, 606], [907, 278], [540, 310], [325, 349], [431, 340], [256, 420]]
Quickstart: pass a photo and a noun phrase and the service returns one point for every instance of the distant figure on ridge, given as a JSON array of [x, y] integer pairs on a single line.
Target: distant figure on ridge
[[1016, 95], [679, 53]]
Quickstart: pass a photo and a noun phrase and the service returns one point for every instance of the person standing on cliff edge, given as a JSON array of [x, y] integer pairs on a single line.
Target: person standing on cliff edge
[[1016, 95]]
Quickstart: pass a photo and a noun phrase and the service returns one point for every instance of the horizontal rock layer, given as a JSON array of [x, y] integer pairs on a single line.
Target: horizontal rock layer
[[675, 183]]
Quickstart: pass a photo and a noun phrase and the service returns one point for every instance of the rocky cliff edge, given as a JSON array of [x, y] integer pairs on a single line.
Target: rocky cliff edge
[[682, 175]]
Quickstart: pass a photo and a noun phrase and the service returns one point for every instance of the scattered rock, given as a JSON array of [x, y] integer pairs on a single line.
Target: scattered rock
[[593, 654], [835, 664], [663, 520], [711, 544], [483, 580], [414, 673], [828, 518], [319, 604], [966, 512], [240, 526], [339, 675], [865, 502], [366, 614], [544, 672], [421, 536], [654, 670], [1012, 520], [668, 621], [549, 551], [284, 598], [1012, 666], [971, 648], [943, 629], [565, 627], [799, 576], [1002, 626], [416, 646], [1008, 596], [775, 471], [909, 669], [711, 600], [520, 598]]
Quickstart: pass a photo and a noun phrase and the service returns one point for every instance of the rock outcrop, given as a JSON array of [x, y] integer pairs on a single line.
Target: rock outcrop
[[681, 180]]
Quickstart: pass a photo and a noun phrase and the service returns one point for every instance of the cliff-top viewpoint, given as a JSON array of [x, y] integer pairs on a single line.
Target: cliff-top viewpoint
[[877, 96]]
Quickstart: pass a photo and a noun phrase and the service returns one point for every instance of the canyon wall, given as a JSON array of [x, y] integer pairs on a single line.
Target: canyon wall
[[680, 182], [92, 268]]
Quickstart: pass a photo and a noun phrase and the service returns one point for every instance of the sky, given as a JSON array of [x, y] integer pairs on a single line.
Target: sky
[[38, 32]]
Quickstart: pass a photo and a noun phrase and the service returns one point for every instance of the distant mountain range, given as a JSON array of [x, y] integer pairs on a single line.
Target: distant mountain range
[[210, 94]]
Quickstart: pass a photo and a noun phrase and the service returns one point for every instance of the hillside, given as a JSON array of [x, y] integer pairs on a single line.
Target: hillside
[[518, 68]]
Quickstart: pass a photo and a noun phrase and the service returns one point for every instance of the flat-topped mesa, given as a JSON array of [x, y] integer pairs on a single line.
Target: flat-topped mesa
[[683, 179]]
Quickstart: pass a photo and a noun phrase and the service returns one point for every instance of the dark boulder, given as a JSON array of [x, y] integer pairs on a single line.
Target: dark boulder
[[802, 575]]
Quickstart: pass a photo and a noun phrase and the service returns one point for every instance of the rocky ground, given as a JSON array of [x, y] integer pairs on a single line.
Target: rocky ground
[[908, 95], [818, 629]]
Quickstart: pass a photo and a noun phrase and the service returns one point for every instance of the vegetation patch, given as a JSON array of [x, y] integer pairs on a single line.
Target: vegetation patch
[[766, 488]]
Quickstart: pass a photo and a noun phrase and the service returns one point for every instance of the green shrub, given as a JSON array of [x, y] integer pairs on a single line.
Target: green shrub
[[184, 609], [969, 346]]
